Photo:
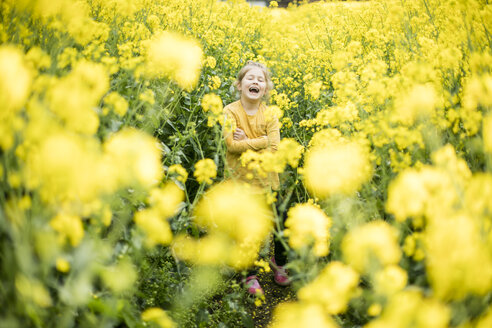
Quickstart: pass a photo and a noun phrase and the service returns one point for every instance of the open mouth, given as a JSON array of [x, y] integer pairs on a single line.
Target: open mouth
[[254, 89]]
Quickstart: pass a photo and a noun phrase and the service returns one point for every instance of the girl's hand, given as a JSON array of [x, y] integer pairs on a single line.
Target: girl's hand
[[239, 134]]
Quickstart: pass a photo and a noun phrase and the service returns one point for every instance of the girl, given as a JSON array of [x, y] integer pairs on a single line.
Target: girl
[[254, 132]]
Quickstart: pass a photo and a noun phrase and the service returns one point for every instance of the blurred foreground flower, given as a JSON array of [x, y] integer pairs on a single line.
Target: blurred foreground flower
[[411, 309], [13, 95], [212, 104], [175, 57], [295, 315], [336, 169], [307, 224], [158, 316], [458, 260], [237, 221], [205, 170], [371, 245], [333, 288]]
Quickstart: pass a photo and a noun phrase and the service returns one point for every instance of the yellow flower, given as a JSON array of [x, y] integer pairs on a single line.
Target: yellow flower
[[147, 96], [212, 103], [117, 103], [69, 227], [119, 277], [410, 309], [371, 245], [457, 259], [166, 199], [301, 314], [62, 265], [205, 170], [273, 112], [175, 57], [180, 171], [487, 133], [158, 316], [215, 82], [155, 226], [136, 157], [313, 89], [336, 169], [73, 97], [237, 220], [307, 224], [390, 280], [15, 84], [210, 62], [419, 102], [374, 310], [333, 288], [13, 95]]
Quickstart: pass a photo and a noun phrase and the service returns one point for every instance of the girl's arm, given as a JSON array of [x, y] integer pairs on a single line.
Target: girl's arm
[[240, 146], [273, 134]]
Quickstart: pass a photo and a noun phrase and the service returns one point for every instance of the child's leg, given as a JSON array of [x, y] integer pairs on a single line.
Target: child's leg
[[280, 253]]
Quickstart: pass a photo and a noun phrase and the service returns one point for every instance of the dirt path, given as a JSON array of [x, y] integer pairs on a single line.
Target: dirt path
[[274, 295]]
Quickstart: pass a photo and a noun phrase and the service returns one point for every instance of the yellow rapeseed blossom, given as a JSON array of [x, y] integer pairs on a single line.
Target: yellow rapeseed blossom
[[33, 290], [336, 169], [205, 171], [487, 133], [313, 89], [155, 226], [301, 314], [175, 57], [147, 96], [410, 309], [136, 157], [485, 320], [238, 217], [215, 82], [210, 62], [13, 95], [273, 112], [69, 227], [457, 260], [307, 224], [371, 245], [13, 68], [334, 116], [120, 277], [419, 102], [166, 199], [180, 171], [212, 104], [158, 316], [73, 97], [62, 265], [332, 289], [117, 103], [414, 193], [289, 152], [390, 280], [208, 250]]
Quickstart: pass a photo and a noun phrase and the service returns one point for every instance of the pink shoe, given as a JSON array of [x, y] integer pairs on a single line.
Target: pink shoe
[[280, 274], [253, 286]]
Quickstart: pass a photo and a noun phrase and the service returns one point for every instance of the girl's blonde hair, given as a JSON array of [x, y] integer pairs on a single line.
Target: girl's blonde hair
[[252, 64]]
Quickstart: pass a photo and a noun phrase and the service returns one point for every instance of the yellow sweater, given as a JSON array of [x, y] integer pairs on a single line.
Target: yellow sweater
[[263, 135]]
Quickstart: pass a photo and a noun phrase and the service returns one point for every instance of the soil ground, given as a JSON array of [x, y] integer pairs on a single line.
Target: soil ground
[[274, 295]]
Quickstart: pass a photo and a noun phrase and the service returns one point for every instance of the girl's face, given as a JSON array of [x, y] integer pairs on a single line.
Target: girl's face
[[253, 85]]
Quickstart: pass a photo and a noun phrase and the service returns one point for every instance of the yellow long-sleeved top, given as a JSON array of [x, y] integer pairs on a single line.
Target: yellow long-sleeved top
[[263, 135]]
